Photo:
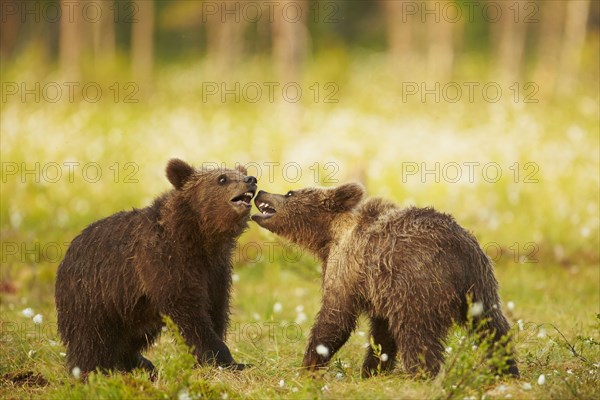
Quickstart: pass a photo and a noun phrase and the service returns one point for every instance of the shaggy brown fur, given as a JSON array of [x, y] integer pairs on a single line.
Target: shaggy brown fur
[[411, 270], [172, 258]]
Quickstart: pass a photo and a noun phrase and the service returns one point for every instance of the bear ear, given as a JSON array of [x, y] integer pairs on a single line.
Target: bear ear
[[178, 172], [242, 169], [346, 197]]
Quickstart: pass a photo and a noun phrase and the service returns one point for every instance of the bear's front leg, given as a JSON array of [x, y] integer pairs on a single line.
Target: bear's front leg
[[335, 322], [197, 329]]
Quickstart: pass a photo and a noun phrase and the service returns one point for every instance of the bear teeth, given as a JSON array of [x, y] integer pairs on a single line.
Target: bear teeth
[[245, 198], [265, 208]]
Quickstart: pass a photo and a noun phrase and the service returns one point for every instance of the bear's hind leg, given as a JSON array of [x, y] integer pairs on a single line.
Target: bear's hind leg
[[381, 336], [94, 343], [141, 362], [420, 342], [496, 326], [132, 356]]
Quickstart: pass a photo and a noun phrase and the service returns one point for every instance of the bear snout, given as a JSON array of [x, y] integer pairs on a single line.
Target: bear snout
[[250, 179]]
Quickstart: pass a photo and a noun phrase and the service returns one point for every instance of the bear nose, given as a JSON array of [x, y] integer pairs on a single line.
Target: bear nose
[[250, 179]]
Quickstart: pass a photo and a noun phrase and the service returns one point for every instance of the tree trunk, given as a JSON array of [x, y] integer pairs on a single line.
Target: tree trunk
[[440, 47], [103, 33], [399, 29], [70, 39], [142, 51], [510, 35], [290, 38], [9, 28], [550, 32], [224, 36], [572, 46]]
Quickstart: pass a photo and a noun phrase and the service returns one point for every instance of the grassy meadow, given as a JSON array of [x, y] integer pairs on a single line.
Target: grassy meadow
[[523, 176]]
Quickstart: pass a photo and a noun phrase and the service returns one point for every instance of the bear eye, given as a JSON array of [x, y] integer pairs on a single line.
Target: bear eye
[[222, 179], [289, 194]]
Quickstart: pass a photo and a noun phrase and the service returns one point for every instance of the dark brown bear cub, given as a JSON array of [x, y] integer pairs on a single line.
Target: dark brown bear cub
[[412, 271], [172, 258]]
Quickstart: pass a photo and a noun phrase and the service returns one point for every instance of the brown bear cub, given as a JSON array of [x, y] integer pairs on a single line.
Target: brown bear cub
[[172, 258], [412, 271]]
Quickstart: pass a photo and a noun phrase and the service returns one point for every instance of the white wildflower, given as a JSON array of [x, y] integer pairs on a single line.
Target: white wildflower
[[521, 325], [299, 308], [510, 305], [384, 357], [31, 353], [38, 319], [570, 371], [448, 349], [28, 312], [294, 390], [235, 278], [585, 231], [322, 350], [76, 371], [301, 318], [339, 376], [277, 307], [224, 395], [476, 309], [527, 386], [541, 333], [281, 383], [183, 394], [255, 316], [62, 354], [361, 333], [325, 388], [541, 379]]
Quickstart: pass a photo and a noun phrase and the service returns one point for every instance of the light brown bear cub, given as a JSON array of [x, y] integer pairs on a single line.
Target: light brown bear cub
[[410, 270]]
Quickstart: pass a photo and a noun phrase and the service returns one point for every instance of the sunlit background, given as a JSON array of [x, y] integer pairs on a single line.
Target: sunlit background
[[488, 110]]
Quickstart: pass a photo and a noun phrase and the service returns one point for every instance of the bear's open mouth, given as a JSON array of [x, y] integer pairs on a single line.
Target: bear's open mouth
[[265, 208], [244, 199]]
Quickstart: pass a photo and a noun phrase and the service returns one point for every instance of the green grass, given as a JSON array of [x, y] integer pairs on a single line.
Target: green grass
[[543, 235], [556, 310]]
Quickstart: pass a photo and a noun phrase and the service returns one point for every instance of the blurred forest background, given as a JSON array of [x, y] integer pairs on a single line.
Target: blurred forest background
[[488, 110], [395, 94], [542, 40], [382, 92]]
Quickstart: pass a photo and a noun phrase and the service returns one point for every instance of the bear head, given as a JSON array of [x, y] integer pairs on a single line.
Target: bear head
[[305, 216], [219, 199]]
